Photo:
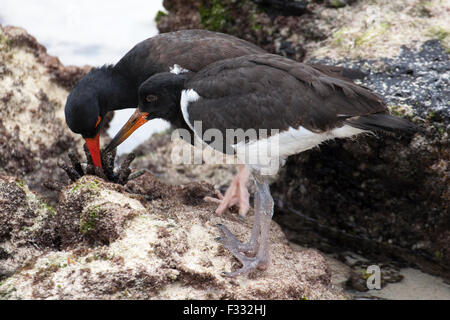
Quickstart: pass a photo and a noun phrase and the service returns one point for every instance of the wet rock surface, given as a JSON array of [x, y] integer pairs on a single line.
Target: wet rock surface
[[417, 82]]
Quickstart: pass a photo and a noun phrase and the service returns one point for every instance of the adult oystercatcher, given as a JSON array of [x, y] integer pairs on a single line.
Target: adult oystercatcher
[[282, 106]]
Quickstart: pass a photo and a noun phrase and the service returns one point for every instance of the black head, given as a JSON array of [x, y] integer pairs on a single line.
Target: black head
[[89, 100], [159, 95], [83, 111], [100, 91]]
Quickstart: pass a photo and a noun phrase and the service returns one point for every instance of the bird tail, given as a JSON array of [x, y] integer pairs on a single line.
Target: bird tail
[[382, 122]]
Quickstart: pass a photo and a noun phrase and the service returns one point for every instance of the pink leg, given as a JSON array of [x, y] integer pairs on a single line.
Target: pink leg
[[236, 194]]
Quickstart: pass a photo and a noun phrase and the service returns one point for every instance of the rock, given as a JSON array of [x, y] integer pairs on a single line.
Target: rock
[[25, 226], [357, 30], [376, 29], [390, 192], [284, 7], [118, 245], [66, 76], [87, 213], [33, 90], [258, 23], [338, 3], [416, 82]]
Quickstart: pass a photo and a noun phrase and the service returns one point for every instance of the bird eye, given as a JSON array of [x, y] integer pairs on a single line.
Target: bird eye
[[151, 98]]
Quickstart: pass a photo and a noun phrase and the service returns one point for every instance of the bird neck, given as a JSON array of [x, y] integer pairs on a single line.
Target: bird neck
[[178, 81], [116, 92]]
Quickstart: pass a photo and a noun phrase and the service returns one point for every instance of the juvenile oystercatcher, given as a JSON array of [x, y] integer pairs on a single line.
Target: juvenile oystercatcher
[[291, 106], [116, 87]]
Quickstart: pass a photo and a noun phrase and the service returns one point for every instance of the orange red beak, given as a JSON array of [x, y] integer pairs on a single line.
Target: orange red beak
[[93, 145], [136, 120]]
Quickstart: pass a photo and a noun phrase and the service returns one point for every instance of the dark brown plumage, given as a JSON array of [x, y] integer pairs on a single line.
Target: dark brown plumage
[[267, 91], [191, 49], [271, 92]]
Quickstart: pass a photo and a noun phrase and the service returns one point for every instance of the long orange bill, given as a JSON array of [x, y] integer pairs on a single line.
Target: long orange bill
[[136, 120], [93, 145]]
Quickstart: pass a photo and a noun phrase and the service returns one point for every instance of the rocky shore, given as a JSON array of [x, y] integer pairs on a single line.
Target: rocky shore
[[380, 200], [97, 240]]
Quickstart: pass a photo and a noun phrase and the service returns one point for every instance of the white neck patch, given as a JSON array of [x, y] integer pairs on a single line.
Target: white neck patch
[[187, 96], [177, 69]]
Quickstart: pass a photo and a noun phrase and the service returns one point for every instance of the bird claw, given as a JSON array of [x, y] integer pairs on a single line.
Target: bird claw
[[249, 264], [249, 261], [230, 242]]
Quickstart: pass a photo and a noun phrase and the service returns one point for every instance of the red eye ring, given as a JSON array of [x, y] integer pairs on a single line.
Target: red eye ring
[[151, 98], [98, 121]]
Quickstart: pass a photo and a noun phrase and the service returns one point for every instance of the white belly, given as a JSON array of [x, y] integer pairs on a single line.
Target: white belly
[[268, 155]]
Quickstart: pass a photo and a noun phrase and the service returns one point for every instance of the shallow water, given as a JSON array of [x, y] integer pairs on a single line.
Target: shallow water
[[415, 285], [89, 32]]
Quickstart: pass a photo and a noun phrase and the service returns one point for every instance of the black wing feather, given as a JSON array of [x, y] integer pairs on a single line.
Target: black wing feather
[[267, 91]]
